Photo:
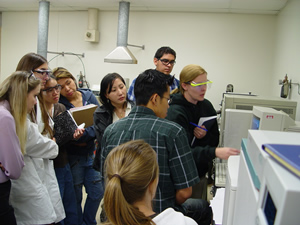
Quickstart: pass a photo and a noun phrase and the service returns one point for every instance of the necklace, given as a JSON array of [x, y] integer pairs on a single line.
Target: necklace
[[120, 113]]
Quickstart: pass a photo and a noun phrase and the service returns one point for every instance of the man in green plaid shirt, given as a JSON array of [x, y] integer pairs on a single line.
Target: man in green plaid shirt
[[177, 170]]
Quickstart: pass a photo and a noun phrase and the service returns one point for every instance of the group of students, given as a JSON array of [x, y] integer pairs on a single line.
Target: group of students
[[41, 181], [160, 168], [141, 116]]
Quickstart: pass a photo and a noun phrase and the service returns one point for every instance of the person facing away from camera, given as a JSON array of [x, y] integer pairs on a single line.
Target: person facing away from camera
[[131, 174]]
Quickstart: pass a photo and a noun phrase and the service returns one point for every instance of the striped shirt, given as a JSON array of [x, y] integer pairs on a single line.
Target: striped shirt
[[177, 168]]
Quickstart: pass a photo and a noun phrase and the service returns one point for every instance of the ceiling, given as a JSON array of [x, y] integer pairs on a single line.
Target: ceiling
[[221, 6]]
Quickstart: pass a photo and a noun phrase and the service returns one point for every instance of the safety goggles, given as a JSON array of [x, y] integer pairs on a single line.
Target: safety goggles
[[51, 89], [194, 84]]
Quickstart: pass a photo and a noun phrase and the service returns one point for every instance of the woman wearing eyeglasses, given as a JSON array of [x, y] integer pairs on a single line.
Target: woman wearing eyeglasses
[[51, 94], [187, 107], [38, 66]]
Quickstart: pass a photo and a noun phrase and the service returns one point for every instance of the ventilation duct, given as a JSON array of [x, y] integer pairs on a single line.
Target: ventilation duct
[[42, 45], [122, 54]]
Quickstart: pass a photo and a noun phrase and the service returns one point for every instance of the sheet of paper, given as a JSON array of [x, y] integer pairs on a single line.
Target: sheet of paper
[[204, 119]]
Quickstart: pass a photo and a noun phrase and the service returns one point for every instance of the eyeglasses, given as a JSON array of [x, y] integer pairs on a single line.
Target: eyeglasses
[[194, 84], [43, 72], [51, 89], [168, 99], [31, 75], [166, 62]]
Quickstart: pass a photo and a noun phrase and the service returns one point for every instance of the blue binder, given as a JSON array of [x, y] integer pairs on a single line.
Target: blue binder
[[286, 155]]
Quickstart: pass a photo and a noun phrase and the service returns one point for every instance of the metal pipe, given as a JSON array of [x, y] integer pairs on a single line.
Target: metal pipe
[[66, 53], [123, 23], [137, 46], [42, 45]]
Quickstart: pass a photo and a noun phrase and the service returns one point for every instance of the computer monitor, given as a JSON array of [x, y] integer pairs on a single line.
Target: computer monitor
[[237, 124], [279, 196], [246, 102], [265, 118]]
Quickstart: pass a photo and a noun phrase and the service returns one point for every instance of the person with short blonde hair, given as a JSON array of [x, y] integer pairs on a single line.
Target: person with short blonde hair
[[188, 105], [131, 175]]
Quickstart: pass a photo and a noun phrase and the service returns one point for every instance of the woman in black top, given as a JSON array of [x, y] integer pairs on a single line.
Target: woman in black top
[[188, 105], [115, 106]]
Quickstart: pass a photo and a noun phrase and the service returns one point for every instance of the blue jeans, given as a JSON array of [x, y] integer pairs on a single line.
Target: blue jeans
[[199, 210], [67, 193], [84, 174]]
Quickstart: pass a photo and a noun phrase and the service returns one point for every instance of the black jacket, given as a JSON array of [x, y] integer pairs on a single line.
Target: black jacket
[[102, 118], [183, 112]]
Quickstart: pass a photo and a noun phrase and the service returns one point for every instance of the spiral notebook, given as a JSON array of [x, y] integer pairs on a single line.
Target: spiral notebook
[[64, 127]]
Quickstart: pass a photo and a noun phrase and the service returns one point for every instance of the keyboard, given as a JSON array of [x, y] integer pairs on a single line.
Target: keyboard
[[220, 174]]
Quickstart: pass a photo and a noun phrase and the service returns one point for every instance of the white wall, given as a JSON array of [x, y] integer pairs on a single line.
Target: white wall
[[233, 48], [287, 52]]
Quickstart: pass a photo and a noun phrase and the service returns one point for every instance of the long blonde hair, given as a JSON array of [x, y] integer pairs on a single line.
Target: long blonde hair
[[14, 89], [187, 74], [129, 170]]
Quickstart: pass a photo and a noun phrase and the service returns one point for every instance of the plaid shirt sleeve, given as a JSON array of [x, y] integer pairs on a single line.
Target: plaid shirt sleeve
[[104, 152], [182, 165]]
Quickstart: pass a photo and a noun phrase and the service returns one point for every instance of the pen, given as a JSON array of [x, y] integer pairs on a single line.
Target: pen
[[198, 126]]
